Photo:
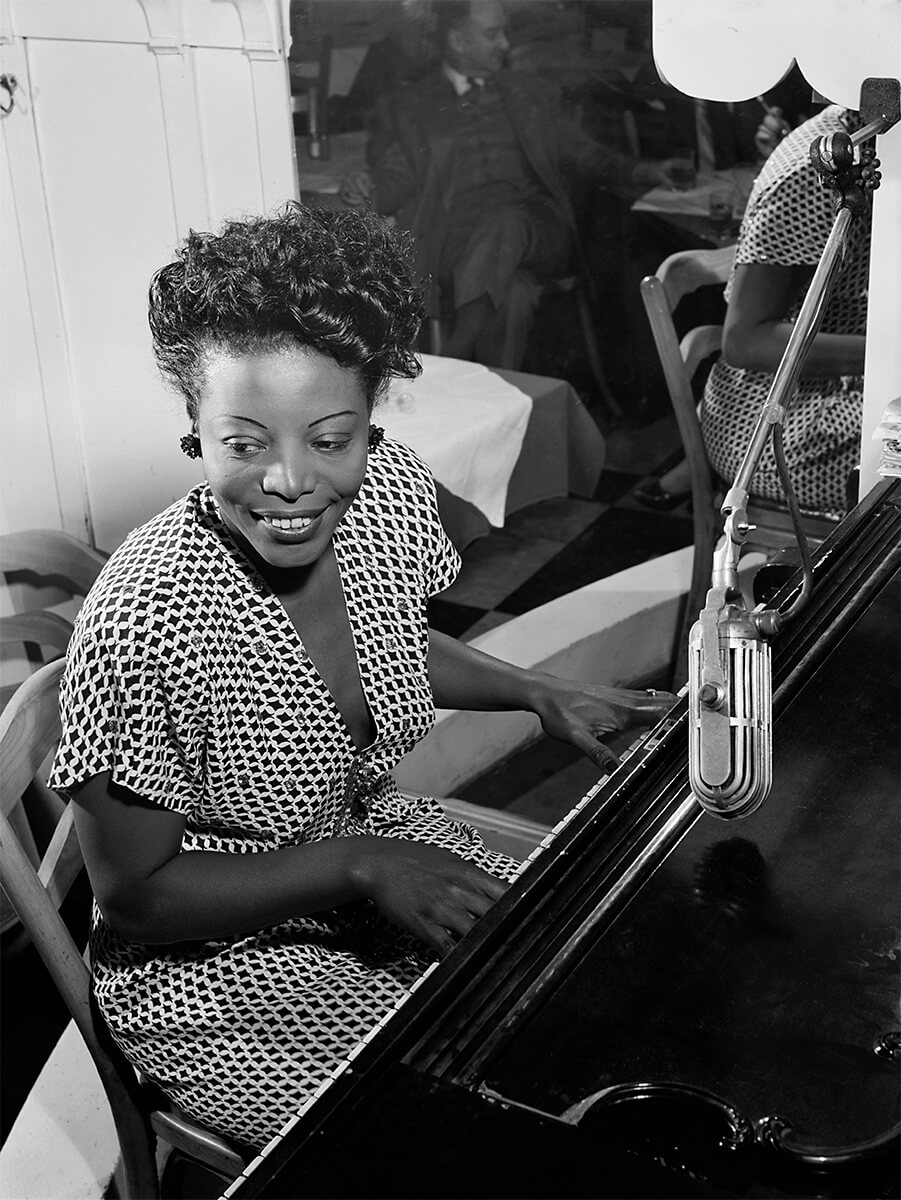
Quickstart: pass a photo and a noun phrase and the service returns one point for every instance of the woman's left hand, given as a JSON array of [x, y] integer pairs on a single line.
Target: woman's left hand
[[583, 714]]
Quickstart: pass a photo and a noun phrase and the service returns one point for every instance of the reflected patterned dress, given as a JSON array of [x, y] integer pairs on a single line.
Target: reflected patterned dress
[[187, 680], [787, 221]]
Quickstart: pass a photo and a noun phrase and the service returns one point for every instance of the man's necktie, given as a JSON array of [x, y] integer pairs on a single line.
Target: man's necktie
[[475, 89]]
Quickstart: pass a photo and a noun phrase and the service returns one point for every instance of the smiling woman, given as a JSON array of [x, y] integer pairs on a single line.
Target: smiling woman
[[252, 665], [284, 436]]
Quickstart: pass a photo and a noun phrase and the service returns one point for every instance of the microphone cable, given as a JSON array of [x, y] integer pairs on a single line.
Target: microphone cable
[[794, 510]]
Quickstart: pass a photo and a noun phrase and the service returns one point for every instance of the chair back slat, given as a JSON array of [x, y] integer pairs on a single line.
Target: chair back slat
[[29, 730], [698, 345], [52, 939], [62, 862], [52, 554], [40, 627], [686, 271]]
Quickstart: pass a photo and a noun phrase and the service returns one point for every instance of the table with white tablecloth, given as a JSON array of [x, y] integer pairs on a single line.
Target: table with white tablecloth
[[496, 440]]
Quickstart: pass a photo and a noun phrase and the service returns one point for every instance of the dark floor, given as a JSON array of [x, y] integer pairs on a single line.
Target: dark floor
[[542, 552]]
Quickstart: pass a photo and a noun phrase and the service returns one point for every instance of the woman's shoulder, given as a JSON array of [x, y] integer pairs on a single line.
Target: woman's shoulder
[[394, 467], [399, 488], [152, 565]]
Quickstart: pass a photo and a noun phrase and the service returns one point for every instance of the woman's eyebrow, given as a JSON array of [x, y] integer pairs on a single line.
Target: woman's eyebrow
[[345, 412], [239, 417]]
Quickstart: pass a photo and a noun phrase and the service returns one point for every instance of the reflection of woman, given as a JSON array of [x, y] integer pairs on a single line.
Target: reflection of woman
[[786, 224], [251, 665]]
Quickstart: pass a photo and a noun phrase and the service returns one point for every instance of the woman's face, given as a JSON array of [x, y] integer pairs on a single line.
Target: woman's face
[[284, 437]]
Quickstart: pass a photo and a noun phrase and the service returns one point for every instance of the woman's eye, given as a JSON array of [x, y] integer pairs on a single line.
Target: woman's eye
[[242, 449], [332, 445]]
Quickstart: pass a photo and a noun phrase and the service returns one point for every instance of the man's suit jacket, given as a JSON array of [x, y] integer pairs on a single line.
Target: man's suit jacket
[[412, 155]]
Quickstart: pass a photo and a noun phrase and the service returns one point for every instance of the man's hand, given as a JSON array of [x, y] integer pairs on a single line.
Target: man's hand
[[425, 889], [357, 188], [671, 173], [770, 132]]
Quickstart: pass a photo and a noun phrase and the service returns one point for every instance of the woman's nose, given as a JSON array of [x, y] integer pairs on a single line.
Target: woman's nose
[[288, 475]]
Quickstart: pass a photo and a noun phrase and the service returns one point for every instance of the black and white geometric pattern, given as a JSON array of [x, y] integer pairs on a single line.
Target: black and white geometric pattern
[[788, 219], [188, 681]]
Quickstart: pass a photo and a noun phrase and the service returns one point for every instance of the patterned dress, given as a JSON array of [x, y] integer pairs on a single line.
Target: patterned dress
[[187, 680], [787, 221]]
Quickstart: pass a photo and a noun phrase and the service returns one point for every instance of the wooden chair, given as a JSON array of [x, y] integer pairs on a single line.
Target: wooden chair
[[37, 885], [43, 569], [679, 275]]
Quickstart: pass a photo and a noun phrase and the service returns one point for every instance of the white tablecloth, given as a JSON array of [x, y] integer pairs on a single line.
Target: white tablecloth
[[466, 422]]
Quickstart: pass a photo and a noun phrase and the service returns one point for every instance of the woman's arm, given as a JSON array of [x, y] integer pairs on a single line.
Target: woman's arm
[[755, 333], [579, 713], [151, 891]]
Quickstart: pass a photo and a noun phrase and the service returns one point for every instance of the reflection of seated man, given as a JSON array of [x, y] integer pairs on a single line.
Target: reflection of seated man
[[474, 162]]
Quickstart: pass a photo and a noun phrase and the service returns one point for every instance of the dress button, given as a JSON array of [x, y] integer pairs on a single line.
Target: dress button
[[403, 604], [391, 643], [303, 654]]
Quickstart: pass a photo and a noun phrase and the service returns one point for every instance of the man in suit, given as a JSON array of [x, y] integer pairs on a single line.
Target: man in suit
[[479, 162]]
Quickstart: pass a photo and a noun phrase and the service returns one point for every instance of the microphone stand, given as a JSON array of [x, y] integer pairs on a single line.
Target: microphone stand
[[730, 689]]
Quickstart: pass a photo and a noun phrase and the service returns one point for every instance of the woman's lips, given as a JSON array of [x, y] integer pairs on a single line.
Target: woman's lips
[[289, 529]]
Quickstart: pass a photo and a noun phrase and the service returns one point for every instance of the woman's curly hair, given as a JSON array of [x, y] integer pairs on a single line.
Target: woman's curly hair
[[340, 282]]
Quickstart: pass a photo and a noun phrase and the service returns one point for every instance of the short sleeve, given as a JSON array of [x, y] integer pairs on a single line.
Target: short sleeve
[[120, 713], [789, 214], [442, 561]]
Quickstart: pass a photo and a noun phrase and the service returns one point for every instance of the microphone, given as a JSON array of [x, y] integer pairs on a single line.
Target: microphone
[[730, 689]]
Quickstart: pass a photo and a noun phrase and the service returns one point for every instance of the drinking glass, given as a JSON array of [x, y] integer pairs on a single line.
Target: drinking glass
[[721, 207]]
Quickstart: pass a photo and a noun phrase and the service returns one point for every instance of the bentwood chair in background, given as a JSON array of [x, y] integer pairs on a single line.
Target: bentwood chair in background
[[46, 575], [37, 884], [677, 276], [44, 570]]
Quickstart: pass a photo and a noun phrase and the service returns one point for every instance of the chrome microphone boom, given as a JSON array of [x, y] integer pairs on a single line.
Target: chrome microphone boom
[[730, 689]]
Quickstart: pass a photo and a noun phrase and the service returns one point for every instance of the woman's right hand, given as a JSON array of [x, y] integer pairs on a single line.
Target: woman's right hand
[[152, 891], [427, 890]]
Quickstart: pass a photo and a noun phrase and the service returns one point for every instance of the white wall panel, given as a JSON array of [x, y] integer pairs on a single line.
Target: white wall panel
[[28, 499], [228, 131], [38, 413], [136, 137], [110, 203]]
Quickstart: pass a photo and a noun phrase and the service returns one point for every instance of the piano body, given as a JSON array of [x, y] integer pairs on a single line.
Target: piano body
[[664, 1003]]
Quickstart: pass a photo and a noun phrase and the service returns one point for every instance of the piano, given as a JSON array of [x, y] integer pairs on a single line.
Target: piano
[[665, 1004]]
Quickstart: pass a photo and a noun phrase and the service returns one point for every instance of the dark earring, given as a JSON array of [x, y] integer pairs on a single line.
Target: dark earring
[[376, 434], [190, 445]]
